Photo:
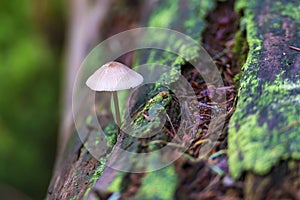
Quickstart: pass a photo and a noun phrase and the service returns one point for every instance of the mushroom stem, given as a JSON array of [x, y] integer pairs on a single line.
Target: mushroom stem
[[118, 117]]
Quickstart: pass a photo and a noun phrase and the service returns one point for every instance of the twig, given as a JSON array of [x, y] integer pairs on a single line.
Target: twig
[[169, 132], [294, 48], [166, 143], [173, 129], [147, 117], [201, 142]]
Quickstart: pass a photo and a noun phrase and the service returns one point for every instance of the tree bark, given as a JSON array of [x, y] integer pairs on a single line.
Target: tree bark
[[264, 131]]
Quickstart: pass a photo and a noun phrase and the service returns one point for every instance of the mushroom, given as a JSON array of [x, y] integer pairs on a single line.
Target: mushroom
[[112, 77]]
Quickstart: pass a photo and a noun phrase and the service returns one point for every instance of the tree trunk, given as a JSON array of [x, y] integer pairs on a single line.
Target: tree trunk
[[264, 130]]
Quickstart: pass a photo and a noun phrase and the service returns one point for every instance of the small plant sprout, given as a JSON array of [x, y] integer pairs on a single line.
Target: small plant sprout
[[112, 77]]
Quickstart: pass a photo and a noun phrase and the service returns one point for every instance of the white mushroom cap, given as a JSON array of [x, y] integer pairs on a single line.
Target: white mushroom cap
[[114, 76]]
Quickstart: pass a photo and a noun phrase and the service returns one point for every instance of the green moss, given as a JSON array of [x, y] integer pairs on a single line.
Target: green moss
[[99, 170], [159, 184], [163, 17], [236, 79], [111, 134], [290, 9], [115, 185], [157, 99], [195, 24], [276, 25], [257, 147], [240, 5], [168, 15], [253, 152], [73, 198], [240, 47]]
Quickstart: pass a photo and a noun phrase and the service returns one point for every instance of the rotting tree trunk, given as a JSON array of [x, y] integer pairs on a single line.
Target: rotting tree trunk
[[264, 136], [81, 176]]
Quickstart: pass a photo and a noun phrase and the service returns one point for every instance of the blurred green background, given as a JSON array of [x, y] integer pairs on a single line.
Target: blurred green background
[[31, 38]]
